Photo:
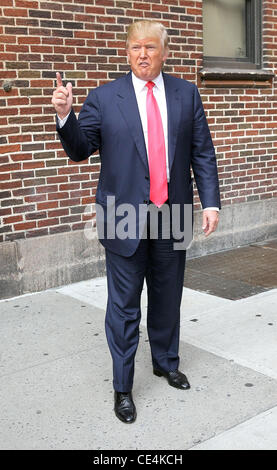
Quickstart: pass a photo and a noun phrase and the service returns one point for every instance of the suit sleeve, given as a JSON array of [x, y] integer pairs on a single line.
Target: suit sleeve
[[81, 138], [203, 157]]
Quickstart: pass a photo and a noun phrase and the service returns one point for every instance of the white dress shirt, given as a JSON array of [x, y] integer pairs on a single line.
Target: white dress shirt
[[159, 93], [141, 93]]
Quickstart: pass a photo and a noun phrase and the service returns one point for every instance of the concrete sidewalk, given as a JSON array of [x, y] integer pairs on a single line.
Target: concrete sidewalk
[[56, 376]]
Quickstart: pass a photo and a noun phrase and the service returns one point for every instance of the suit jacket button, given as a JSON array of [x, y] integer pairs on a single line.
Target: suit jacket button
[[147, 177]]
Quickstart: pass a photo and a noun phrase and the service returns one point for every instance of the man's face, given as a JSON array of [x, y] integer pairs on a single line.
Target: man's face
[[146, 57]]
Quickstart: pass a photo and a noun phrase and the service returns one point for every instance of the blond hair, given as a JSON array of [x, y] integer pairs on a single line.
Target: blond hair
[[146, 28]]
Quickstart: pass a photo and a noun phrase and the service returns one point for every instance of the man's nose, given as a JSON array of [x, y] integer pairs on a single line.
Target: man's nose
[[143, 51]]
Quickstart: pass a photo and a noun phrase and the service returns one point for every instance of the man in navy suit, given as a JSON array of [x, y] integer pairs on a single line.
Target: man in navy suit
[[150, 129]]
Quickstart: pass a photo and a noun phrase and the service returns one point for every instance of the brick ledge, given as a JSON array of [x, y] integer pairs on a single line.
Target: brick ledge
[[223, 77]]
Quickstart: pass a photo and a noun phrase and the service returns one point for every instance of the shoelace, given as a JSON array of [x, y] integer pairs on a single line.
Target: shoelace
[[124, 399]]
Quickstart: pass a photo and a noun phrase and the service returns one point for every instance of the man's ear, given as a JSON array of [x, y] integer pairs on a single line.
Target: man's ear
[[166, 54]]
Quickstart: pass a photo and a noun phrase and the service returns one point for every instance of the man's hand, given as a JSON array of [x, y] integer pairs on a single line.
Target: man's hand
[[62, 98], [210, 221]]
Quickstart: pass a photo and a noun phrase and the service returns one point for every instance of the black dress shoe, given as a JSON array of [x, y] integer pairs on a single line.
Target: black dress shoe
[[124, 407], [175, 378]]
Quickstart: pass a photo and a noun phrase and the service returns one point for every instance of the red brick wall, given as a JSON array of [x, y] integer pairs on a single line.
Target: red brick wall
[[42, 192]]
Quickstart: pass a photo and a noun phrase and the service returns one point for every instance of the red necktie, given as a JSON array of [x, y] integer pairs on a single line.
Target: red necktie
[[156, 150]]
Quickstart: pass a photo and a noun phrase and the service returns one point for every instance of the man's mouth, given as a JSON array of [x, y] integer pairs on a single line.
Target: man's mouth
[[143, 64]]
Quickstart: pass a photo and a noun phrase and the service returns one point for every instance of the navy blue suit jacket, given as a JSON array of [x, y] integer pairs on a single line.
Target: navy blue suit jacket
[[109, 121]]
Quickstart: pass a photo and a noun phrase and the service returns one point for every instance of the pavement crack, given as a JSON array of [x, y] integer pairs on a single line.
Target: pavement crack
[[45, 363]]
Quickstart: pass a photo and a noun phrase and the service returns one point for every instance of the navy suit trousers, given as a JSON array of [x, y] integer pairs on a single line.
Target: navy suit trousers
[[163, 268]]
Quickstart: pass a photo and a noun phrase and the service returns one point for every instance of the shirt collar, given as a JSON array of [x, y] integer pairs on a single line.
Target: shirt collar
[[140, 84]]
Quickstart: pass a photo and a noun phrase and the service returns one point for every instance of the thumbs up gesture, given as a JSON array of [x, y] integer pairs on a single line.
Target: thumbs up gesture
[[62, 98]]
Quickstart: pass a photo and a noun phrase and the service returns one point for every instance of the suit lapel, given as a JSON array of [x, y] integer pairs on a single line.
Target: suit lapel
[[173, 102], [127, 102]]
